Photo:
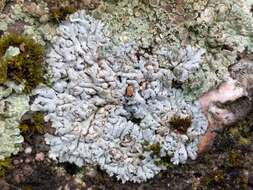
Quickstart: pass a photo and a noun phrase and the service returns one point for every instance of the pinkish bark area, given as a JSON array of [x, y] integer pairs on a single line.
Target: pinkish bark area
[[234, 92]]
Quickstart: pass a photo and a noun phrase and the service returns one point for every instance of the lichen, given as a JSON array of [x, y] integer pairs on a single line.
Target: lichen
[[128, 21], [106, 100], [29, 18], [3, 26], [21, 61], [222, 28], [134, 76], [12, 106]]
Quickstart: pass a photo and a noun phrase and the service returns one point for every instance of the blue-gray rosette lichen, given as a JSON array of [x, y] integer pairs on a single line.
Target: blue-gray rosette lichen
[[13, 104], [109, 100]]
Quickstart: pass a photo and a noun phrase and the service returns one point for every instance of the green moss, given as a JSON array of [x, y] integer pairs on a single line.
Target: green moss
[[165, 162], [34, 125], [230, 157], [156, 149], [5, 165], [234, 159], [244, 141], [221, 179], [27, 66], [242, 133], [61, 13], [244, 182], [218, 177], [215, 179], [180, 124]]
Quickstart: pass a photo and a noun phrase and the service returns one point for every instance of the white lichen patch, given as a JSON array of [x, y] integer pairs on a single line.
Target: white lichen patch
[[11, 52], [107, 101], [223, 28], [182, 62], [13, 105]]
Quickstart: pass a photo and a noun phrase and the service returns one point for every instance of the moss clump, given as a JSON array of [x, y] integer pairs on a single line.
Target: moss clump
[[231, 159], [235, 159], [25, 67], [33, 125], [5, 165], [242, 133], [165, 162], [61, 13], [181, 124], [215, 179], [155, 148]]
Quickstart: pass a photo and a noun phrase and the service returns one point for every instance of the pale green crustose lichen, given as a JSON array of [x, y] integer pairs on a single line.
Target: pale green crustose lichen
[[40, 31], [223, 28], [13, 105]]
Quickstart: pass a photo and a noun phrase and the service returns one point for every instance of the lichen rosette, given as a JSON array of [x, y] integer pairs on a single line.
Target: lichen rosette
[[108, 101]]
